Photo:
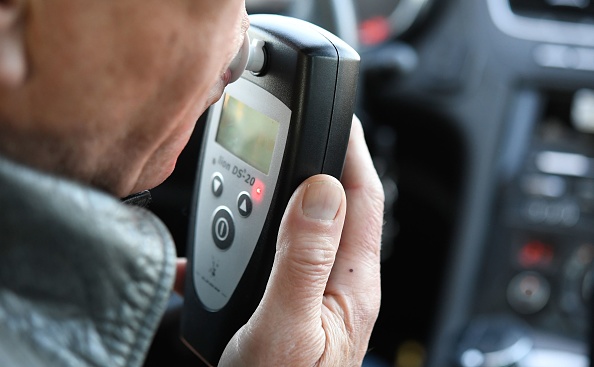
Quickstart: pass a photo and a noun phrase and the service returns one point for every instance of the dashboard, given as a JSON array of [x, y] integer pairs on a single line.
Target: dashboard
[[373, 21], [480, 118]]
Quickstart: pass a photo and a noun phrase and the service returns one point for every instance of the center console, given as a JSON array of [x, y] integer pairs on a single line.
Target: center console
[[537, 269]]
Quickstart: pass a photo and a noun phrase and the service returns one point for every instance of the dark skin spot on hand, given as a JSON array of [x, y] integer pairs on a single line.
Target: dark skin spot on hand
[[351, 270]]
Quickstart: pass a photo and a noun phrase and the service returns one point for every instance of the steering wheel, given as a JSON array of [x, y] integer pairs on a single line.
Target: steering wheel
[[337, 16]]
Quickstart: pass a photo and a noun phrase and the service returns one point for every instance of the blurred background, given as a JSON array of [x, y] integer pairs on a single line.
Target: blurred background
[[479, 115]]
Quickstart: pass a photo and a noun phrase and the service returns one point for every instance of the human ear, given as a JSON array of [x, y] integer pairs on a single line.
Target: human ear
[[13, 61]]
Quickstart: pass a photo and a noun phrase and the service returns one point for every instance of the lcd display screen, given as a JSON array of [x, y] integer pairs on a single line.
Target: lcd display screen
[[247, 133]]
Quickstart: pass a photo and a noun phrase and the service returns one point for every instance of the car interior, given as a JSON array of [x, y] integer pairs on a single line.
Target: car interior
[[479, 115]]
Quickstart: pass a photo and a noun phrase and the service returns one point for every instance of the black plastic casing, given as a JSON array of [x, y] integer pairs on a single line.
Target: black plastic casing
[[315, 74]]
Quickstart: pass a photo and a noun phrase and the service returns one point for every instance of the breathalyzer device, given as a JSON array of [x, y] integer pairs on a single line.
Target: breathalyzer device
[[286, 118]]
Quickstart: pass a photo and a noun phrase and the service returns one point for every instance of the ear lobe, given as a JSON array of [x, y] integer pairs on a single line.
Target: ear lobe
[[13, 60]]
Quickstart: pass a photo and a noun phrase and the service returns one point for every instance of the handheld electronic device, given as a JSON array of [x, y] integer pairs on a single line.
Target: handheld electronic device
[[271, 130]]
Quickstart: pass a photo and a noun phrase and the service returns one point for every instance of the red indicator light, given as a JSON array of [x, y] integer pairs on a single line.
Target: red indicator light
[[375, 30], [535, 253], [258, 191]]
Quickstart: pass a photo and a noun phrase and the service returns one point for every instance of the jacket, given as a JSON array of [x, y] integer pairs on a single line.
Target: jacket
[[84, 279]]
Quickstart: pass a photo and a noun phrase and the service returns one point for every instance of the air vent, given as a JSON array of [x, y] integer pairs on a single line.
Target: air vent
[[566, 22], [575, 11]]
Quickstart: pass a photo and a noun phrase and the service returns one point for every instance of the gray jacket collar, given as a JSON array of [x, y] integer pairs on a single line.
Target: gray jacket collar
[[84, 279]]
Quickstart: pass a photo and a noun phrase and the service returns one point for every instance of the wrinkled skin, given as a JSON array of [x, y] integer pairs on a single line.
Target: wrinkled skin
[[322, 301], [113, 88], [108, 92]]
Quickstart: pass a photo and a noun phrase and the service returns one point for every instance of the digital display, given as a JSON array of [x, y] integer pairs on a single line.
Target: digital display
[[247, 133]]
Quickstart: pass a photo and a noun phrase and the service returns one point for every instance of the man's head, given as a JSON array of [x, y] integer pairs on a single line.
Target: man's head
[[107, 92]]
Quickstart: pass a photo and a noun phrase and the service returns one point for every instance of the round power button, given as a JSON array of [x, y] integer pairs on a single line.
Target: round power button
[[223, 228], [528, 292]]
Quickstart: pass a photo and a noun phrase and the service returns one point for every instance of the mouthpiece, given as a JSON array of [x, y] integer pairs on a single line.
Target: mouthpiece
[[250, 57]]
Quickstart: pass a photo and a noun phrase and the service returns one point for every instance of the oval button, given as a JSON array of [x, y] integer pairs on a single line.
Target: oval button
[[244, 204], [217, 184], [223, 228]]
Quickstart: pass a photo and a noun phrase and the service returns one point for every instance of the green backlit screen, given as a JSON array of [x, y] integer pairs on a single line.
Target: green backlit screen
[[247, 133]]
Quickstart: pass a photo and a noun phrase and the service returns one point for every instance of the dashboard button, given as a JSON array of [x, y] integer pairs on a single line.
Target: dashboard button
[[528, 292]]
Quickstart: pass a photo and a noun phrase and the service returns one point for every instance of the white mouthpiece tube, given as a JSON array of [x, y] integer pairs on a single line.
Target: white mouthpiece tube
[[250, 57]]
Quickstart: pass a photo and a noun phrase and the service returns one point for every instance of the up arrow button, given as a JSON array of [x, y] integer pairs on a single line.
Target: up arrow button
[[244, 204]]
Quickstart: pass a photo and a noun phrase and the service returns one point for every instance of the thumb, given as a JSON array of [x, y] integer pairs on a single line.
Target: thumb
[[306, 247], [288, 318]]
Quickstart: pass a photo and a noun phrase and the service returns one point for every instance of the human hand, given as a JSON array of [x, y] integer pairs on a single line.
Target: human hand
[[322, 299]]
